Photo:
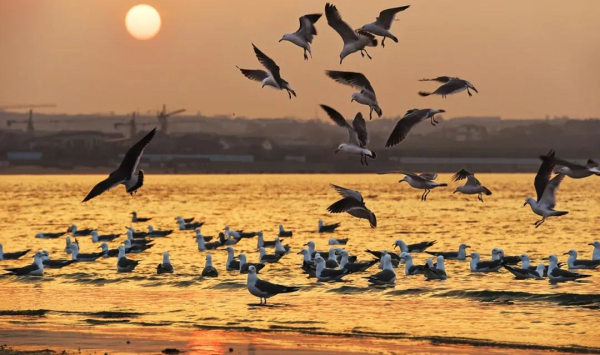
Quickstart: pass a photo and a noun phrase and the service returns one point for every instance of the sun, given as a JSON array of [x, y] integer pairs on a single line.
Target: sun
[[142, 22]]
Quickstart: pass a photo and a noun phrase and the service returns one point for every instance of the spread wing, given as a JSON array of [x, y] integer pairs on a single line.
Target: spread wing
[[356, 80], [544, 172], [104, 185], [360, 127], [403, 127], [269, 64], [450, 87], [461, 175], [334, 19], [428, 176], [341, 121], [549, 194], [568, 164], [441, 79], [132, 157], [344, 192], [254, 74], [412, 175], [307, 26], [386, 17], [345, 204], [592, 164]]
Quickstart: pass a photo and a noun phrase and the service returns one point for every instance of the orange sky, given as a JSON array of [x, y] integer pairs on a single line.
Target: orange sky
[[527, 58]]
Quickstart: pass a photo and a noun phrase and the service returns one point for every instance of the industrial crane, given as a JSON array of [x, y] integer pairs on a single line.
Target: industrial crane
[[29, 122], [163, 118], [132, 125]]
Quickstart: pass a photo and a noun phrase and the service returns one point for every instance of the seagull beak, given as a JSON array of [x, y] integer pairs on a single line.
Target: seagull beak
[[281, 40], [304, 244], [352, 100], [566, 253], [525, 204], [591, 244], [299, 253], [394, 246], [468, 246], [441, 111], [337, 150]]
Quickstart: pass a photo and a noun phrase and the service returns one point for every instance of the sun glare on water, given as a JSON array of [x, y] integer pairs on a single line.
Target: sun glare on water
[[142, 22]]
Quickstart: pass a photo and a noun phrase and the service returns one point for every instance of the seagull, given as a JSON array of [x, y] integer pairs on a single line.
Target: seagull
[[135, 234], [308, 264], [358, 135], [352, 203], [245, 266], [435, 273], [522, 273], [166, 267], [409, 267], [124, 264], [136, 248], [355, 267], [461, 254], [54, 264], [49, 235], [451, 86], [126, 172], [279, 248], [209, 270], [380, 254], [556, 274], [103, 238], [283, 232], [12, 256], [422, 181], [303, 37], [75, 255], [546, 191], [202, 245], [325, 274], [231, 264], [312, 252], [354, 41], [577, 171], [508, 260], [205, 237], [68, 245], [239, 234], [156, 233], [136, 219], [35, 269], [138, 241], [412, 248], [108, 253], [262, 243], [484, 266], [229, 240], [327, 228], [271, 77], [574, 263], [596, 252], [331, 262], [382, 26], [472, 186], [188, 226], [366, 96], [268, 258], [264, 289], [338, 241], [411, 118], [185, 220], [386, 276], [78, 233]]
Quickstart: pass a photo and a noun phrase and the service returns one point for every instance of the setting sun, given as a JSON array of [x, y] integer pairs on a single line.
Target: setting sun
[[142, 22]]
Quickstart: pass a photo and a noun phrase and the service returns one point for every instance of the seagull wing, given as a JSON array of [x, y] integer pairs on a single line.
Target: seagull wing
[[344, 192], [269, 64], [472, 180], [132, 157], [451, 86], [404, 126], [105, 185], [461, 175], [592, 164], [356, 80], [345, 204], [341, 121], [307, 26], [568, 164], [544, 173], [334, 19], [441, 79], [360, 127], [549, 194], [254, 74], [386, 17], [428, 176], [272, 288]]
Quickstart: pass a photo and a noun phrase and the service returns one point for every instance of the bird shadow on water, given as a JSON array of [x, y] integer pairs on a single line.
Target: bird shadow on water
[[254, 306]]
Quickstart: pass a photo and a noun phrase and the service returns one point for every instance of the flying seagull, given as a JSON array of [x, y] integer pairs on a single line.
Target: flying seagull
[[354, 41], [411, 118], [451, 86], [264, 289], [422, 181], [303, 37], [352, 203], [546, 191], [472, 186], [366, 96], [382, 26], [126, 172], [577, 171], [358, 135], [271, 77]]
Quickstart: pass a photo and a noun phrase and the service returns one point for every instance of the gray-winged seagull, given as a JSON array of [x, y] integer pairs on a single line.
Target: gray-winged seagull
[[381, 27], [352, 203], [264, 289], [410, 119], [271, 77], [354, 41], [472, 186], [303, 37], [451, 86], [366, 96]]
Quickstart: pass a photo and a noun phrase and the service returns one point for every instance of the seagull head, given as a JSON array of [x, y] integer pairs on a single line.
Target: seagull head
[[571, 252], [596, 244], [341, 147], [251, 270], [528, 201], [286, 37], [398, 243], [404, 179], [463, 246], [302, 252], [553, 259], [355, 97], [524, 257], [474, 256]]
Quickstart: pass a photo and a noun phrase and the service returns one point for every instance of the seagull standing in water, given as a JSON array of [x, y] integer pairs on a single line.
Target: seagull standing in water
[[435, 273], [472, 186], [412, 248], [283, 233], [451, 86], [265, 289], [596, 252], [354, 41], [12, 256], [352, 203], [366, 96], [303, 37], [546, 191], [382, 26], [411, 118], [484, 266], [124, 264], [327, 228], [358, 135], [387, 276], [126, 172], [271, 77], [461, 254]]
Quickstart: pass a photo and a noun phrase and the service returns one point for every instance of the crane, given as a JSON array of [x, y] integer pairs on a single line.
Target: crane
[[133, 125], [163, 118], [29, 122]]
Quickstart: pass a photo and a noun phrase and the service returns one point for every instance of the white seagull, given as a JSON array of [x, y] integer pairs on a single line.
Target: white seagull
[[352, 203], [556, 274], [435, 273], [271, 77], [577, 171], [451, 86], [34, 269], [358, 135], [423, 181], [209, 270], [596, 252], [126, 172], [165, 267], [382, 26], [303, 37], [264, 289], [387, 276], [472, 186], [575, 263], [526, 273], [461, 254], [484, 266], [124, 264], [366, 96], [411, 118], [354, 41], [546, 191]]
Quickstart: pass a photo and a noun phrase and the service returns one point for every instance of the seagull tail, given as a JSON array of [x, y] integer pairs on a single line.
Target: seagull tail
[[443, 185], [559, 213], [394, 38], [289, 289], [424, 93], [373, 155], [487, 192]]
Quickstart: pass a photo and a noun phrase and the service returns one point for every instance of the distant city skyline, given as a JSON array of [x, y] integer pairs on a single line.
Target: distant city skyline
[[527, 59]]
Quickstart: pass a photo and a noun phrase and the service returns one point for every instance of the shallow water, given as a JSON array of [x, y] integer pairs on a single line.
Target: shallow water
[[493, 307]]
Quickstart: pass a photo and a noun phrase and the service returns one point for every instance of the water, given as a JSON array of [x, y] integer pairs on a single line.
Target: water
[[492, 307]]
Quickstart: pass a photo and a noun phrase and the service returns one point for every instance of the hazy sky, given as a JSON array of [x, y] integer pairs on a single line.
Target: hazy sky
[[526, 58]]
